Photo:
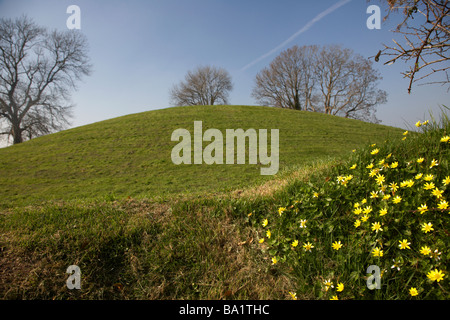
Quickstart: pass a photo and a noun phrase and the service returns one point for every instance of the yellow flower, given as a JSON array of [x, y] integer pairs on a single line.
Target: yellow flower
[[337, 245], [357, 211], [436, 275], [293, 295], [375, 151], [429, 186], [376, 226], [383, 212], [316, 195], [377, 252], [265, 222], [373, 172], [274, 260], [340, 287], [364, 201], [386, 197], [404, 244], [261, 240], [334, 298], [353, 167], [281, 210], [443, 205], [364, 218], [268, 234], [373, 194], [397, 199], [413, 292], [308, 246], [393, 186], [437, 193], [425, 123], [367, 210], [357, 223], [405, 133], [303, 223], [445, 139], [394, 164], [423, 208], [380, 179], [328, 284], [418, 176], [428, 177], [294, 243], [425, 250], [418, 124], [446, 181], [434, 163], [381, 162], [420, 160], [369, 166], [427, 227]]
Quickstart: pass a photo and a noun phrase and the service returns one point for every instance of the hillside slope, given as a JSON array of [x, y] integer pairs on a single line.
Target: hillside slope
[[131, 155]]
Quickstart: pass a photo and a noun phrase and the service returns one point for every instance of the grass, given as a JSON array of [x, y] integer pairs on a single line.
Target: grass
[[208, 246], [131, 155]]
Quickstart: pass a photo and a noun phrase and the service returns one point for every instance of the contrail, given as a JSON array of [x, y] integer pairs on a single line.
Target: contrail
[[319, 17]]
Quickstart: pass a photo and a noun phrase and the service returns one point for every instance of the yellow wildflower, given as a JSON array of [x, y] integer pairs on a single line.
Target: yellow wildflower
[[397, 199], [427, 227], [334, 298], [425, 250], [294, 243], [336, 245], [375, 151], [437, 193], [404, 244], [293, 295], [446, 181], [376, 226], [428, 177], [413, 292], [429, 186], [364, 218], [353, 167], [274, 260], [393, 186], [377, 252], [423, 208], [261, 240], [445, 139], [308, 246], [420, 160], [357, 223], [303, 223], [418, 124], [383, 212], [386, 197], [394, 164], [380, 179], [268, 234], [357, 211], [405, 133], [436, 275], [367, 210], [418, 176], [434, 163], [281, 210], [369, 166], [340, 287], [443, 205], [265, 222]]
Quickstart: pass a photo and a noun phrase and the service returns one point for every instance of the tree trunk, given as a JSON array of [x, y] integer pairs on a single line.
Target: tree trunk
[[16, 133]]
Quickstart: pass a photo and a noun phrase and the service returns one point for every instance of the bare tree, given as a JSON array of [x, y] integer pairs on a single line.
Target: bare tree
[[328, 79], [426, 39], [289, 80], [38, 69], [204, 86], [347, 84]]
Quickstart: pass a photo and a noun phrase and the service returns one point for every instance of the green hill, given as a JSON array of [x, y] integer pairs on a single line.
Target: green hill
[[131, 155]]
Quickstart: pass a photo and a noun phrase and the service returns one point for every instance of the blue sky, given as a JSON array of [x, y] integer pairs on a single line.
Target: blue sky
[[140, 48]]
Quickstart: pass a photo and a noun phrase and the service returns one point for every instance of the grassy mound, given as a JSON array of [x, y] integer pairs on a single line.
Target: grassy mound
[[131, 155]]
